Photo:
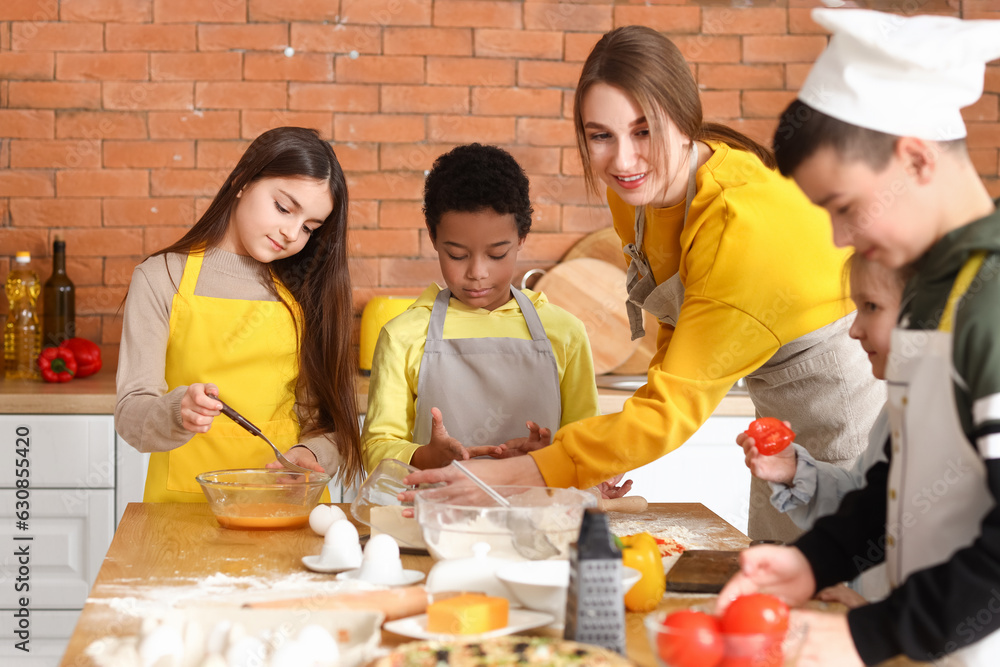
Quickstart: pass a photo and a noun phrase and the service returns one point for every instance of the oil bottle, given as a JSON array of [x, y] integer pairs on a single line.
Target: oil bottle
[[22, 337], [58, 300]]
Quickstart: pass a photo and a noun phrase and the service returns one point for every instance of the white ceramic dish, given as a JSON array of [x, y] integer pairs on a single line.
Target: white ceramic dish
[[315, 563], [518, 620], [408, 577]]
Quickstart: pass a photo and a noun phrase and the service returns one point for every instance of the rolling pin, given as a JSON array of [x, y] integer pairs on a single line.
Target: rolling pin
[[394, 603], [623, 504]]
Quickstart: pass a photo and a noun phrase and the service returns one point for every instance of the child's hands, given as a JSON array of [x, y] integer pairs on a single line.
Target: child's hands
[[199, 406], [609, 489], [828, 641], [538, 437], [443, 449], [301, 456], [780, 571], [778, 468]]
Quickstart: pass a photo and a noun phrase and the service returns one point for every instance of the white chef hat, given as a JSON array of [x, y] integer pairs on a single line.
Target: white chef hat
[[907, 76]]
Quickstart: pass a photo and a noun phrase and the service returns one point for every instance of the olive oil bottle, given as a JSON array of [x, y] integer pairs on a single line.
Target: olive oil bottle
[[58, 300]]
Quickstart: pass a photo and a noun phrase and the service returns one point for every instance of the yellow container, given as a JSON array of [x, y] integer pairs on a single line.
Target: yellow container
[[378, 311]]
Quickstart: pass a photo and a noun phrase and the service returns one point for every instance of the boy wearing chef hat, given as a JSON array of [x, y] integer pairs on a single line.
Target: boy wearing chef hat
[[876, 137]]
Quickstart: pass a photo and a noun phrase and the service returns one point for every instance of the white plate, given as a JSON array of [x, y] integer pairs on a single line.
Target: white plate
[[517, 621], [408, 577], [315, 564]]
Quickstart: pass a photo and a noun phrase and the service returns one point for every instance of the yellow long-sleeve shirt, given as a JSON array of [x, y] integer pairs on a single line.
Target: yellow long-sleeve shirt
[[759, 270], [392, 392]]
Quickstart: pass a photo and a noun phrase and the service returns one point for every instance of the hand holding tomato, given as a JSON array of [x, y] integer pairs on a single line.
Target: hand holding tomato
[[770, 435]]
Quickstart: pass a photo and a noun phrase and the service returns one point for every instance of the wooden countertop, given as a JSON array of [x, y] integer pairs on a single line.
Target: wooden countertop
[[176, 547], [96, 395]]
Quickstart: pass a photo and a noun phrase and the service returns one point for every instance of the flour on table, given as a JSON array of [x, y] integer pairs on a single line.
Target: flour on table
[[707, 536]]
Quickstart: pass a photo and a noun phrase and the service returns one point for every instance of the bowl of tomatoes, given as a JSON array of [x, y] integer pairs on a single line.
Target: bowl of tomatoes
[[755, 631]]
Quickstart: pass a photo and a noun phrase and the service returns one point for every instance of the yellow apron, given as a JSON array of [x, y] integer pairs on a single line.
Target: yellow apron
[[249, 350]]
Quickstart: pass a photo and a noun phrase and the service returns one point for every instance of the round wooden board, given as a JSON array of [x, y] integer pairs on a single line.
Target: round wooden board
[[594, 291]]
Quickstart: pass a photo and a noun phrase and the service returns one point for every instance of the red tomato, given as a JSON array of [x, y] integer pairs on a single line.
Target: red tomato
[[770, 435], [693, 640], [755, 613]]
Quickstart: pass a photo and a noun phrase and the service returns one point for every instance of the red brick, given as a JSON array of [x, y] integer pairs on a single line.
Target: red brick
[[220, 154], [364, 127], [240, 95], [566, 16], [55, 95], [356, 156], [174, 95], [278, 67], [363, 214], [578, 45], [364, 274], [27, 124], [85, 270], [29, 10], [795, 75], [747, 77], [29, 65], [201, 205], [58, 154], [253, 37], [720, 103], [766, 103], [800, 22], [545, 132], [975, 9], [117, 11], [477, 14], [545, 218], [382, 242], [664, 19], [104, 300], [56, 212], [983, 110], [984, 135], [560, 190], [386, 12], [94, 125], [148, 154], [35, 36], [470, 71], [571, 164], [992, 80], [194, 125], [199, 11], [536, 159], [292, 10], [760, 130], [425, 99], [26, 183], [256, 123], [157, 238], [985, 160], [399, 272], [744, 21], [187, 182], [102, 182], [427, 42], [783, 48], [410, 157], [339, 97], [400, 215], [89, 327], [118, 270], [548, 74], [394, 184], [195, 66], [519, 43], [380, 69], [461, 129], [704, 48], [148, 212], [338, 38], [548, 247], [35, 241], [516, 102], [129, 37], [992, 188], [585, 218]]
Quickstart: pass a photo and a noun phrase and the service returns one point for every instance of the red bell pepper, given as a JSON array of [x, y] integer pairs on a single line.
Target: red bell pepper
[[770, 435], [57, 364], [88, 356]]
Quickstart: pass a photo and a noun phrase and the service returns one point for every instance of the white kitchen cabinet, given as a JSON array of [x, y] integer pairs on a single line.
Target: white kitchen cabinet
[[50, 632]]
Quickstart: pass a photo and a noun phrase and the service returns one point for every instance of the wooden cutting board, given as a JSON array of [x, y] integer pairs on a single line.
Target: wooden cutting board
[[702, 571], [594, 291]]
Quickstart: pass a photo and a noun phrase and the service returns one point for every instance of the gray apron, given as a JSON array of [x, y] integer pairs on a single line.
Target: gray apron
[[820, 382], [486, 388], [932, 458]]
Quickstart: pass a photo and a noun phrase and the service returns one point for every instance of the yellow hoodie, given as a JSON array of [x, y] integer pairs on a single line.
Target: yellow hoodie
[[759, 269], [392, 392]]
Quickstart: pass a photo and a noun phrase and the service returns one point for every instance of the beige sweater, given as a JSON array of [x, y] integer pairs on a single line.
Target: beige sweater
[[148, 416]]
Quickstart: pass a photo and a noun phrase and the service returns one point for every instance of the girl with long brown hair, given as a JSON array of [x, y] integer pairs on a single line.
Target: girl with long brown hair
[[251, 306], [735, 263]]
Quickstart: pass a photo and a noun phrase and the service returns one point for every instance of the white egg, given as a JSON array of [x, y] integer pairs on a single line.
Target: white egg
[[342, 531], [291, 654], [247, 652], [382, 547], [217, 640], [162, 647], [323, 516], [381, 563], [322, 648]]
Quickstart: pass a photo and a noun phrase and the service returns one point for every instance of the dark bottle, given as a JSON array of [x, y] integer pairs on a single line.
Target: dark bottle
[[58, 300]]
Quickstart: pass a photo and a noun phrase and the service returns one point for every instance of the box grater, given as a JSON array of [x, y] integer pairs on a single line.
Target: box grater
[[595, 602]]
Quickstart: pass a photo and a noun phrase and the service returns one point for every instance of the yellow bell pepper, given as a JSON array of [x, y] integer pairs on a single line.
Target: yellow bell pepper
[[641, 552]]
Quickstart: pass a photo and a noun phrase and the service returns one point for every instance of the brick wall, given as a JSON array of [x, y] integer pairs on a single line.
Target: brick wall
[[120, 118]]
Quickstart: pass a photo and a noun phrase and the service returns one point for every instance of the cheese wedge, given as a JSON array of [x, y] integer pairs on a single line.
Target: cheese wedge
[[467, 614]]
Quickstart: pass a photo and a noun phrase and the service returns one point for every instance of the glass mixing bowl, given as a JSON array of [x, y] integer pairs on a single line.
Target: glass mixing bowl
[[261, 498]]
